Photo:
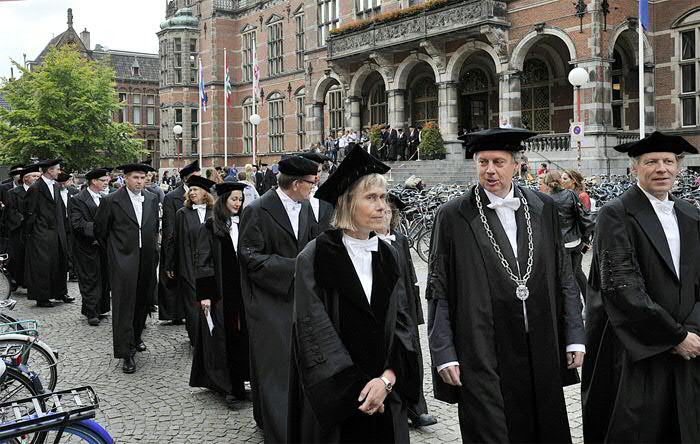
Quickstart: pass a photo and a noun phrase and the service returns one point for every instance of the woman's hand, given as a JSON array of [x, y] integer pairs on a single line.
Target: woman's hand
[[170, 274], [206, 304]]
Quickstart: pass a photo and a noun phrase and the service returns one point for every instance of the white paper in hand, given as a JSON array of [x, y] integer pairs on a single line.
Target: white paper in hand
[[210, 322]]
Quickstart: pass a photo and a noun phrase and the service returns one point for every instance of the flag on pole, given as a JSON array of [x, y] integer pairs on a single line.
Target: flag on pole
[[202, 94], [644, 13], [256, 73], [227, 81]]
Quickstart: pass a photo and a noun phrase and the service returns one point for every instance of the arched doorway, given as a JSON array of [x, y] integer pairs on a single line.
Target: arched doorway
[[535, 96], [624, 99], [424, 101], [374, 109], [478, 93]]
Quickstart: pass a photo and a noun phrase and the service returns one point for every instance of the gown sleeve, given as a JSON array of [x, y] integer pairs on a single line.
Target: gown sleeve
[[204, 264], [643, 326]]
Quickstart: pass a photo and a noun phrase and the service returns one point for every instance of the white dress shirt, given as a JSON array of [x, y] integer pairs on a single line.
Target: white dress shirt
[[137, 203], [233, 232], [315, 204], [201, 212], [26, 187], [666, 213], [507, 217], [360, 252], [96, 197], [388, 238], [64, 197], [293, 208], [49, 183]]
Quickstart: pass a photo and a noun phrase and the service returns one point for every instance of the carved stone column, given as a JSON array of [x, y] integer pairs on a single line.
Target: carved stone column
[[396, 113], [352, 113], [448, 118], [509, 106]]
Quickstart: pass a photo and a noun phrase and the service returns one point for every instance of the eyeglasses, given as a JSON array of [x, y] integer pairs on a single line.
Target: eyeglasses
[[311, 182]]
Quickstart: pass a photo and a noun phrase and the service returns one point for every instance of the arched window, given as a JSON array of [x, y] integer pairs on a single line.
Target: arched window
[[425, 101], [617, 77], [378, 108], [334, 102], [474, 100], [474, 81], [275, 106], [301, 119], [534, 96], [247, 126]]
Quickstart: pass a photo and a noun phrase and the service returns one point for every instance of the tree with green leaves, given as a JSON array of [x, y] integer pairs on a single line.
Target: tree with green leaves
[[63, 108], [432, 145]]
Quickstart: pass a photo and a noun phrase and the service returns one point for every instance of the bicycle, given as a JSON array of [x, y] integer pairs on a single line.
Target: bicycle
[[6, 283], [52, 416]]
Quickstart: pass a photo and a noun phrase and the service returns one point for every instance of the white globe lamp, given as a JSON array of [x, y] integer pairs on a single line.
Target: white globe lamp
[[255, 119]]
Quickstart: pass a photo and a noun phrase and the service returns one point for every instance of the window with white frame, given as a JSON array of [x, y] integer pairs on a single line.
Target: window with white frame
[[123, 113], [300, 36], [276, 122], [334, 100], [177, 49], [301, 119], [150, 109], [274, 49], [689, 60], [247, 126], [194, 121], [367, 7], [248, 44], [328, 18], [193, 61], [136, 103]]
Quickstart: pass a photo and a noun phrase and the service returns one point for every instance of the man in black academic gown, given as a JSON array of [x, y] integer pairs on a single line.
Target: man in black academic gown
[[413, 141], [6, 186], [170, 305], [126, 225], [89, 258], [269, 179], [273, 230], [14, 222], [504, 318], [258, 177], [641, 382], [322, 210], [46, 261], [67, 191]]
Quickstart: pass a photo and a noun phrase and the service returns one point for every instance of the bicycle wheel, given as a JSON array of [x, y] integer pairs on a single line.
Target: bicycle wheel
[[41, 360], [423, 245], [85, 431], [7, 319], [5, 286], [17, 385]]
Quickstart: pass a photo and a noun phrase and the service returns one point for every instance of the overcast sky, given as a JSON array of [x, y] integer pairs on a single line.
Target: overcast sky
[[28, 25]]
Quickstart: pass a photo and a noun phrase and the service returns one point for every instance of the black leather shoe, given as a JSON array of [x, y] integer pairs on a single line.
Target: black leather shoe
[[94, 321], [46, 304], [141, 347], [67, 299], [423, 420], [129, 365]]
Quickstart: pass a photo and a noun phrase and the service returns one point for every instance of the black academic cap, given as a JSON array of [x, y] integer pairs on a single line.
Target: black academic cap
[[201, 182], [51, 162], [131, 167], [16, 169], [315, 157], [657, 142], [226, 187], [500, 139], [96, 174], [30, 168], [396, 201], [63, 176], [189, 169], [298, 166], [357, 163], [263, 164], [109, 169]]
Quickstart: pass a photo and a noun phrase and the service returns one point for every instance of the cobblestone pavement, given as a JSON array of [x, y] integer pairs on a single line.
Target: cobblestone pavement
[[156, 404]]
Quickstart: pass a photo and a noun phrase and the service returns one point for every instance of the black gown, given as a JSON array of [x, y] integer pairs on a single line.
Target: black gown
[[46, 265], [182, 261], [633, 388], [341, 342], [170, 306], [89, 260], [511, 380], [132, 270], [220, 360], [14, 225]]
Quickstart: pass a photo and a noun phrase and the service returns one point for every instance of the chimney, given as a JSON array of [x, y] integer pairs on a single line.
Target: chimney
[[85, 37]]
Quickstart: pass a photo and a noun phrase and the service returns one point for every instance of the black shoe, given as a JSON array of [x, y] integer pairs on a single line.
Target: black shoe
[[129, 365], [67, 299], [141, 347], [102, 316], [176, 322], [423, 420], [94, 321], [46, 304]]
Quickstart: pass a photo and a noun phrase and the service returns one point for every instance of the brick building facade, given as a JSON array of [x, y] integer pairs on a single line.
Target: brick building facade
[[329, 65], [136, 78]]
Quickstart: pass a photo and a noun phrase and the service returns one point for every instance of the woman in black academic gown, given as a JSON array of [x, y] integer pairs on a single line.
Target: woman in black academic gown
[[180, 262], [417, 413], [354, 352], [220, 359]]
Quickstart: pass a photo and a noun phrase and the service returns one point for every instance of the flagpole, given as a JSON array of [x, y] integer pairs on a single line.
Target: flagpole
[[225, 111], [201, 119], [642, 123], [255, 99]]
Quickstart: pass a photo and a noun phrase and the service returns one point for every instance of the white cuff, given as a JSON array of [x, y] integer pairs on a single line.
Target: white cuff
[[447, 364], [576, 348]]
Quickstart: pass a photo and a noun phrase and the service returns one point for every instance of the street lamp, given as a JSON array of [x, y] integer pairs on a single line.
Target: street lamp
[[254, 119], [177, 130], [578, 77]]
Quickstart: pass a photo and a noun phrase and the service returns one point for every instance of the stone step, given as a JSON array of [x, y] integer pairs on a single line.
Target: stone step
[[433, 172]]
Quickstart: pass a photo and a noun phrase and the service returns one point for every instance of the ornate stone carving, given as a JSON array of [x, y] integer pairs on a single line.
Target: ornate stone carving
[[349, 43], [437, 53], [457, 16], [498, 39], [384, 64], [400, 30]]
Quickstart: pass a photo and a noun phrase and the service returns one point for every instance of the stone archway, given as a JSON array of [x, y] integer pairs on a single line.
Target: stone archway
[[403, 71], [526, 43], [316, 108]]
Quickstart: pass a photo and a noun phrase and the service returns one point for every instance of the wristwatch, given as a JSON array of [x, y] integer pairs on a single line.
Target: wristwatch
[[387, 384]]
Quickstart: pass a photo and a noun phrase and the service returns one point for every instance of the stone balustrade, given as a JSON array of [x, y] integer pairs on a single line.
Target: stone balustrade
[[227, 5], [549, 142], [624, 137]]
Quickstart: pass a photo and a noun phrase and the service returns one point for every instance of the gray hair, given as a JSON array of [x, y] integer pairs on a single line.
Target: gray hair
[[512, 153], [634, 161]]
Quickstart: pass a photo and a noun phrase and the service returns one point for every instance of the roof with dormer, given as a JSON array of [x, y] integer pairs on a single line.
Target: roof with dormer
[[123, 63]]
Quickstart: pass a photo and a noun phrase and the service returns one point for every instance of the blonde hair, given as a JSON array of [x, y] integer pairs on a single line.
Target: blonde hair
[[208, 199], [346, 204]]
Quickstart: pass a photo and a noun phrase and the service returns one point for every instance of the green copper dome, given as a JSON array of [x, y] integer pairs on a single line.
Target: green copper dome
[[183, 19]]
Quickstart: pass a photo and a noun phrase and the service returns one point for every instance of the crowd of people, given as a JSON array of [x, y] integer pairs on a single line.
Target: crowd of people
[[308, 291], [393, 144]]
